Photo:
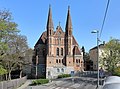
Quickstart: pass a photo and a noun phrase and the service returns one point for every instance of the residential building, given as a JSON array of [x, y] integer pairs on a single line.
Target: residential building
[[93, 55]]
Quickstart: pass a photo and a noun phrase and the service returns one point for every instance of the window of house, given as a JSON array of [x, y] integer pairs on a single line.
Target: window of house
[[95, 66], [49, 73], [57, 40], [56, 60], [50, 32], [70, 32], [62, 70], [62, 51], [62, 60], [79, 60], [76, 60], [58, 70], [57, 52], [59, 61]]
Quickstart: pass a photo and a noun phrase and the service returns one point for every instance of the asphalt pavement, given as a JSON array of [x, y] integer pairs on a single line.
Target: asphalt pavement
[[69, 83]]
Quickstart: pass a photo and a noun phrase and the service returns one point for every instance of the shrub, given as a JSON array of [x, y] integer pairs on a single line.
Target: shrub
[[64, 75], [117, 71], [40, 81]]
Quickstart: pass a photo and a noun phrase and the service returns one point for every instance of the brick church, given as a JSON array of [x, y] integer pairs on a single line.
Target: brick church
[[57, 52]]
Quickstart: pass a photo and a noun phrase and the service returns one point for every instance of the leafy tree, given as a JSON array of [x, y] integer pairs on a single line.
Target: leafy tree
[[7, 27], [83, 50], [14, 58], [2, 70], [27, 64], [13, 47], [111, 55]]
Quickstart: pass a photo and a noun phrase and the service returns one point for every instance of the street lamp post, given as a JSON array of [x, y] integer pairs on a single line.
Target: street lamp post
[[97, 32]]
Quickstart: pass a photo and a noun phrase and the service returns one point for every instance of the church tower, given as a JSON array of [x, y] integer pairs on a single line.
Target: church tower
[[68, 34], [50, 31], [68, 41]]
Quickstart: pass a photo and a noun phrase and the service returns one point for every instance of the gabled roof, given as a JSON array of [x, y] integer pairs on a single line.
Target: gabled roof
[[59, 31], [74, 41], [76, 51], [100, 46], [42, 39]]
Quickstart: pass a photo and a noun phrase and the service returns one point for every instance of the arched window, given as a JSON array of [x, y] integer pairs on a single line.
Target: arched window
[[76, 60], [58, 70], [70, 32], [62, 70], [62, 60], [79, 60], [57, 52], [62, 51], [56, 60], [50, 32], [49, 73], [59, 61]]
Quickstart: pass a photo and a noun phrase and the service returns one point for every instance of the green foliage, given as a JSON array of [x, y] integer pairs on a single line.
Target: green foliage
[[40, 81], [64, 75], [117, 71], [111, 55], [7, 28], [2, 70], [13, 47]]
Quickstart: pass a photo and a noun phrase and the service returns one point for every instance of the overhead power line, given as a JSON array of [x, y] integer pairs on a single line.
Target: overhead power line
[[104, 18]]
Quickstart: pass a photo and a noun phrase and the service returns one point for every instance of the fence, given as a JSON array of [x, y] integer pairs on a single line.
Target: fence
[[86, 74], [12, 84]]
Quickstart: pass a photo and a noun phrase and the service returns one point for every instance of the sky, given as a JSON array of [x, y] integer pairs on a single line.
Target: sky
[[87, 15]]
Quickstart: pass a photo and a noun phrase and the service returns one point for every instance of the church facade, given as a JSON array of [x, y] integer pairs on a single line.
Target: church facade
[[57, 52]]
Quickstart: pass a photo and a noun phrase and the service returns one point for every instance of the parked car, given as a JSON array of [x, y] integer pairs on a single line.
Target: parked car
[[112, 82]]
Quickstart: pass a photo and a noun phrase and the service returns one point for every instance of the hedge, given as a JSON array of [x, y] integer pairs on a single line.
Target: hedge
[[64, 75], [40, 81]]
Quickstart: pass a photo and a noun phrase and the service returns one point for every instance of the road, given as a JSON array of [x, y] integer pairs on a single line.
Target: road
[[69, 83]]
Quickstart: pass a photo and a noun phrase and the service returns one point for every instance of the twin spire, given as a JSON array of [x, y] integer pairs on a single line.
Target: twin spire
[[68, 22], [50, 21]]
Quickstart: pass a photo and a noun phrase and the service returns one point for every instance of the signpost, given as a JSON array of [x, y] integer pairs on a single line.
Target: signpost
[[101, 71], [72, 75]]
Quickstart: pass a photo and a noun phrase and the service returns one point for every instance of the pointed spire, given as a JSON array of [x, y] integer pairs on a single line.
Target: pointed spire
[[49, 21], [68, 22]]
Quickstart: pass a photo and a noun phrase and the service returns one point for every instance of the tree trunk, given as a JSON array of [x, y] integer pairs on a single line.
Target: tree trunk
[[9, 75], [6, 77], [21, 74]]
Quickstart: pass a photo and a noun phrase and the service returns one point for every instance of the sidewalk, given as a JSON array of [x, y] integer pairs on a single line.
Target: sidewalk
[[25, 84]]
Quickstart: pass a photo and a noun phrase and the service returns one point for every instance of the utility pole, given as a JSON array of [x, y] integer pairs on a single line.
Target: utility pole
[[97, 32]]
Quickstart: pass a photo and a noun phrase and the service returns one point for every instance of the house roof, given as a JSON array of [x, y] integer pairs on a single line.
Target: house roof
[[43, 38], [100, 46], [76, 51]]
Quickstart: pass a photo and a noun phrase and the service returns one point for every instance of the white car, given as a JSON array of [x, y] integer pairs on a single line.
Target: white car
[[112, 82]]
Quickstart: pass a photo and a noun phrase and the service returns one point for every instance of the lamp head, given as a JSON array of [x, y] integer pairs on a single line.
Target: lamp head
[[95, 31]]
